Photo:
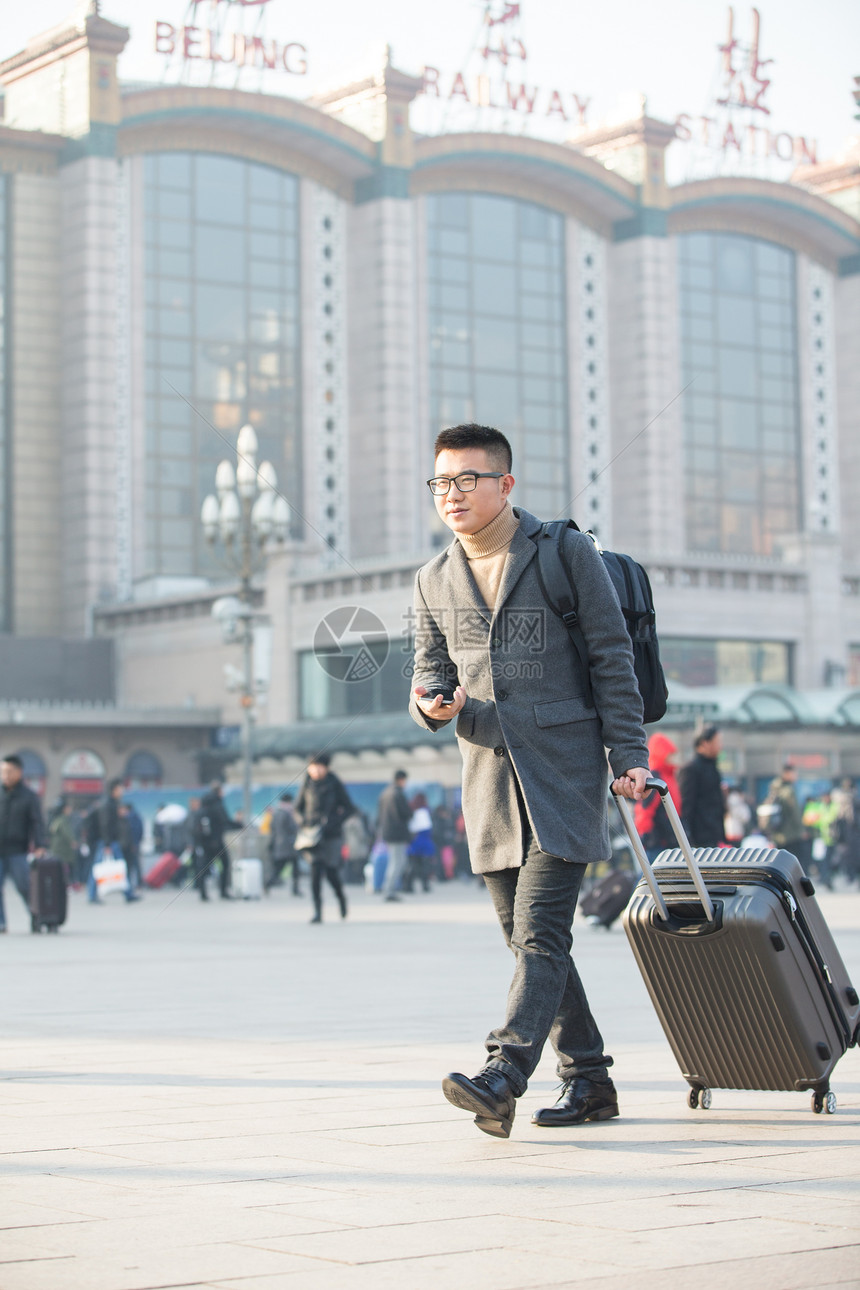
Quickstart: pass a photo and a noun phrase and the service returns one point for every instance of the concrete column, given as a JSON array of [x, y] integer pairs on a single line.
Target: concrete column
[[34, 434], [386, 439], [589, 381], [89, 361], [847, 329], [647, 410]]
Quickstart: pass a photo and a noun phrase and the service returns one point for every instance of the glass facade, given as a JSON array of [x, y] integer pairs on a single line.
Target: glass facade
[[498, 334], [322, 692], [741, 413], [222, 338], [695, 661], [5, 496]]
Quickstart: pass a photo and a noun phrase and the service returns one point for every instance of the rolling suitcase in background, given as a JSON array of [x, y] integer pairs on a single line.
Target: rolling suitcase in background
[[165, 868], [47, 894], [248, 879], [607, 899], [741, 967]]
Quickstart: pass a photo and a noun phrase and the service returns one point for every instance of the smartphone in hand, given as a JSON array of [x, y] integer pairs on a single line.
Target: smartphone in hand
[[446, 691]]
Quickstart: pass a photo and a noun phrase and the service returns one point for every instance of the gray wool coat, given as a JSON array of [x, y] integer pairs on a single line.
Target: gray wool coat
[[525, 726]]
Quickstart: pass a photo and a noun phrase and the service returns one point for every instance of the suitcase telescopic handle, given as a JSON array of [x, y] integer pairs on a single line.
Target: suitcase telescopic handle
[[683, 843]]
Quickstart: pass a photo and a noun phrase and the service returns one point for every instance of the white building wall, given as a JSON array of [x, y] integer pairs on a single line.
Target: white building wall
[[325, 400], [647, 427], [589, 381], [37, 480], [385, 433], [847, 366], [89, 364]]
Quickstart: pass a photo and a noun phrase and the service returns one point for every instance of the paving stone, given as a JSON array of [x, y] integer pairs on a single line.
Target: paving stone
[[254, 1104]]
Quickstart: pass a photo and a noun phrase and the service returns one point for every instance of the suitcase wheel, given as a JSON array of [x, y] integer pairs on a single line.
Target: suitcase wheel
[[824, 1102], [702, 1097]]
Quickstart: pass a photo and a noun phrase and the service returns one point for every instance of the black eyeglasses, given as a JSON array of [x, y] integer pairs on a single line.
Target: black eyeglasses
[[466, 483]]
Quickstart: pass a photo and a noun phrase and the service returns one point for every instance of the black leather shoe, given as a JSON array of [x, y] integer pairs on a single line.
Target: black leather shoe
[[317, 918], [489, 1097], [581, 1099]]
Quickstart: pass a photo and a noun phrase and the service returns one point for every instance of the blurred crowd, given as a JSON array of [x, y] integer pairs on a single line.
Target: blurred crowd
[[822, 829], [320, 837]]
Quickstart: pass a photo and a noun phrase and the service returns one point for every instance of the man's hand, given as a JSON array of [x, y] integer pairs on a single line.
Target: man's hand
[[632, 784], [39, 853], [434, 707]]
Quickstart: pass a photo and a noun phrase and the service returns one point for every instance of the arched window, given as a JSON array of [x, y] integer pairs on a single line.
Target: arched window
[[221, 270], [498, 338], [143, 768], [741, 410]]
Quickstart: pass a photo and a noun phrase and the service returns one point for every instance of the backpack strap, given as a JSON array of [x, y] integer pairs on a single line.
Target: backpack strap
[[559, 591]]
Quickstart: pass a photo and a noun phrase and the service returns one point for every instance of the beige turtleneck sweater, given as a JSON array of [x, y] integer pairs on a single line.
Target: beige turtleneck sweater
[[487, 550]]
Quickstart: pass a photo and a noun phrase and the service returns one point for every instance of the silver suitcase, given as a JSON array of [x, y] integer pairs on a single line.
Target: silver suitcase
[[741, 967]]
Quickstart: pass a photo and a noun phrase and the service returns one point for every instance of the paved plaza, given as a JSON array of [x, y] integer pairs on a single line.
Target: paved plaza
[[223, 1095]]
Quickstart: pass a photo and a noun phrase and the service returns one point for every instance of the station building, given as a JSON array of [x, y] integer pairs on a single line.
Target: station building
[[676, 367]]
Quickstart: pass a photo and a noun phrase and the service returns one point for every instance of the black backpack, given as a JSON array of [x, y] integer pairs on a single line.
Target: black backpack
[[637, 605]]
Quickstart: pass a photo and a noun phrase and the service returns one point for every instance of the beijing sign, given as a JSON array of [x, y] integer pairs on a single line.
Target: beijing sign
[[218, 43]]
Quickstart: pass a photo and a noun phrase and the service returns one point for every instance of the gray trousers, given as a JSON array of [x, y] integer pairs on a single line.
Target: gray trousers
[[535, 906], [395, 867]]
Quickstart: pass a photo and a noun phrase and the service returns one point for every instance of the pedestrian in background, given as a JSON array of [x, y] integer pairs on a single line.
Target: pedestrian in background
[[22, 830], [393, 827], [444, 835], [702, 801], [421, 850], [105, 830], [62, 841], [651, 819], [321, 808], [212, 821], [132, 836], [738, 816], [283, 830], [786, 818]]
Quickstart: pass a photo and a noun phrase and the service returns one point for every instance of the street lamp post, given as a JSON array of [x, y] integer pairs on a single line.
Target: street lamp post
[[245, 515]]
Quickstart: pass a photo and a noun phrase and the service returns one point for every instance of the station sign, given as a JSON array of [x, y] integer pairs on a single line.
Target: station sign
[[232, 33], [738, 122]]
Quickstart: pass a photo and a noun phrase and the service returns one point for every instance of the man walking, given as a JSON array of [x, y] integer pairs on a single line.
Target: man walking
[[787, 830], [394, 817], [534, 760], [22, 830], [211, 821], [283, 843], [105, 830], [702, 804], [321, 808]]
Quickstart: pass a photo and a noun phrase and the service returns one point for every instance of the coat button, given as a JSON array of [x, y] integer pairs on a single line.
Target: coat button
[[500, 752], [496, 643], [501, 694]]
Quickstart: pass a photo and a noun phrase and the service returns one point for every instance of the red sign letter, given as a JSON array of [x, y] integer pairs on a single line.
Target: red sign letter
[[458, 89], [165, 38], [556, 105], [190, 36], [301, 67], [516, 96], [431, 82], [581, 108]]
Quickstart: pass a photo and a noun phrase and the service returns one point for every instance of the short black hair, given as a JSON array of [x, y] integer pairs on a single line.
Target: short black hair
[[493, 442], [400, 774], [286, 797], [705, 736], [320, 759], [114, 783], [14, 760]]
